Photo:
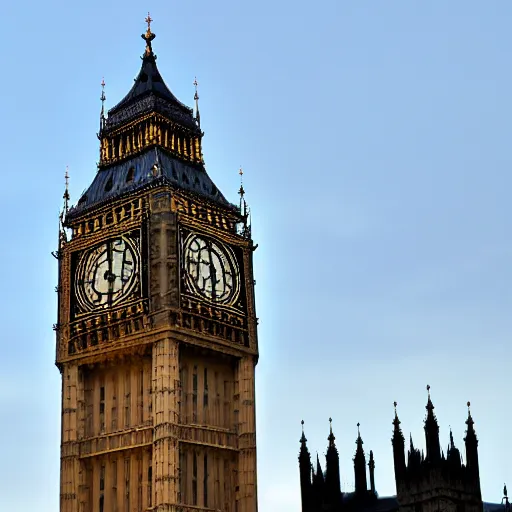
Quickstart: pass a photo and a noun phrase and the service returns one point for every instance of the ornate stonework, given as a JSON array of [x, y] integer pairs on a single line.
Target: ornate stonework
[[156, 340]]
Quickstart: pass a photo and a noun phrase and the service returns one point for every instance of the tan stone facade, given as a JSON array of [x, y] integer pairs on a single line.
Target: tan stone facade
[[158, 370]]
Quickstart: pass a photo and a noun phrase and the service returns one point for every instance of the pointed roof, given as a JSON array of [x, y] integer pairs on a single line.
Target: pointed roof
[[319, 473], [149, 92], [431, 417], [359, 449], [397, 431], [110, 183], [331, 437], [304, 452], [470, 432]]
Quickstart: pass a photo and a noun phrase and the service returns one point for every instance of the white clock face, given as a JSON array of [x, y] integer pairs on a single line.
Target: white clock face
[[107, 274], [211, 269]]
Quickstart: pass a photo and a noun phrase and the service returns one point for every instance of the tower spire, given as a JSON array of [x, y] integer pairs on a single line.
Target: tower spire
[[102, 98], [472, 446], [371, 466], [196, 99], [432, 432], [148, 37], [66, 191], [360, 465], [305, 472], [241, 191], [332, 472]]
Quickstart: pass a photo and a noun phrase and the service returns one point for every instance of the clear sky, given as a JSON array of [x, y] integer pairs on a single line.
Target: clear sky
[[375, 138]]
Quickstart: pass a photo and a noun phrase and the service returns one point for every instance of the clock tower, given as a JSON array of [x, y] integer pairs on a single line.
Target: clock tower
[[156, 332]]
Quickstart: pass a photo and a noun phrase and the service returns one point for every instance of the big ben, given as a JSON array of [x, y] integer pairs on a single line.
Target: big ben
[[157, 330]]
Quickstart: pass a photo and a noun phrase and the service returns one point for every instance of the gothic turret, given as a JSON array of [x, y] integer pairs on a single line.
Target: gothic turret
[[371, 466], [332, 472], [360, 466], [426, 482], [305, 472], [398, 443], [472, 449], [432, 433]]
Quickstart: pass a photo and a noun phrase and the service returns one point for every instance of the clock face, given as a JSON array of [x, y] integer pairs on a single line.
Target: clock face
[[211, 270], [107, 274]]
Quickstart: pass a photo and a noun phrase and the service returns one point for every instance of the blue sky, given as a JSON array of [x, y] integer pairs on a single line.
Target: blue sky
[[375, 142]]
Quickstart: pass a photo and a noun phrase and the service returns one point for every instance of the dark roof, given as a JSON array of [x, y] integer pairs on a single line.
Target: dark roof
[[492, 507], [112, 182], [149, 92]]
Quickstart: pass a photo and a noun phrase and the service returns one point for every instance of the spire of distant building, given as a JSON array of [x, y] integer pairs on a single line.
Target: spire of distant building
[[431, 432], [360, 465]]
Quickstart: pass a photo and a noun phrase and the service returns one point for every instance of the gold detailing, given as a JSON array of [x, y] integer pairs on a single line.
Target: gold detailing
[[205, 214], [152, 129], [210, 320], [89, 334], [111, 218], [148, 36]]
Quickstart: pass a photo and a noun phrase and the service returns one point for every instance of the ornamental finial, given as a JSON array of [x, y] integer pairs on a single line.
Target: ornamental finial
[[102, 98], [66, 191], [196, 99], [428, 390], [241, 192], [148, 36]]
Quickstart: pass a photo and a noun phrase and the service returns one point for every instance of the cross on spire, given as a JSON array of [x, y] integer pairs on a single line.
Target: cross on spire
[[148, 36], [148, 20]]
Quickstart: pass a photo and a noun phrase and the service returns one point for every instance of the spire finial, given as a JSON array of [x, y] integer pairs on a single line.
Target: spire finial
[[303, 436], [241, 192], [148, 36], [196, 99], [102, 98], [66, 191], [358, 433], [430, 405], [469, 407]]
